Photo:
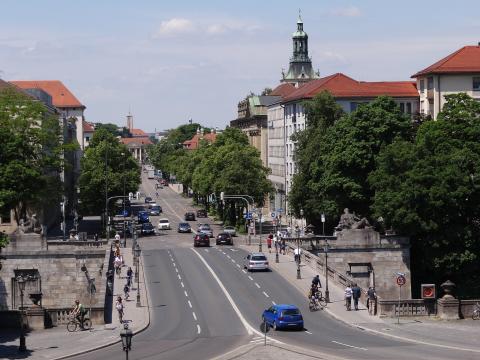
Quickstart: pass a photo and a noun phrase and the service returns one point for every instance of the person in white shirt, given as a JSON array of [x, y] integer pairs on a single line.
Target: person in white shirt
[[348, 297], [297, 253]]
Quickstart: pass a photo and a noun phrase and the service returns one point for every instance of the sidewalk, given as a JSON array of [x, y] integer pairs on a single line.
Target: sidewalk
[[58, 343], [461, 334]]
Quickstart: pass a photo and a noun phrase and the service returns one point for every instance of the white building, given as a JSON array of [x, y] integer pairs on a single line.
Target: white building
[[458, 72]]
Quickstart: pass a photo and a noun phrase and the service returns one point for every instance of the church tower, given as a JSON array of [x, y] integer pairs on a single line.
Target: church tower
[[129, 122], [300, 69]]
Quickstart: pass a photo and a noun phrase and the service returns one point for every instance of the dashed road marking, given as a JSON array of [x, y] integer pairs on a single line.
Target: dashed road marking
[[308, 332], [189, 304], [206, 250], [233, 261], [176, 270], [199, 330], [181, 283], [186, 294], [274, 303], [258, 286], [266, 295], [350, 346], [179, 277], [194, 315], [238, 266], [244, 271], [228, 256], [250, 277]]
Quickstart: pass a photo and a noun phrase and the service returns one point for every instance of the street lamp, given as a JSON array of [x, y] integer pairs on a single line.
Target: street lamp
[[260, 238], [126, 336], [326, 248], [301, 221], [21, 281], [297, 230], [277, 245], [137, 252]]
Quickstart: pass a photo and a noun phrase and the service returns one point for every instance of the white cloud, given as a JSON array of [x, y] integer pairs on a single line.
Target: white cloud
[[349, 11], [175, 26]]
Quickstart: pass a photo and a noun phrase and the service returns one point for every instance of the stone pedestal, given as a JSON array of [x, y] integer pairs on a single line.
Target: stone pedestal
[[447, 308], [36, 318]]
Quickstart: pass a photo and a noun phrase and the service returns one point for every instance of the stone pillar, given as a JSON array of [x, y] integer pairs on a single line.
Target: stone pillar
[[448, 305]]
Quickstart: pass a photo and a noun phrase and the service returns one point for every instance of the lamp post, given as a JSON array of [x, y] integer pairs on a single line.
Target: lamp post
[[326, 248], [277, 244], [297, 230], [126, 336], [21, 281], [260, 235], [137, 255], [301, 222]]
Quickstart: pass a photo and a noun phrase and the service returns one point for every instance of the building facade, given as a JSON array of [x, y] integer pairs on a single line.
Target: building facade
[[458, 72]]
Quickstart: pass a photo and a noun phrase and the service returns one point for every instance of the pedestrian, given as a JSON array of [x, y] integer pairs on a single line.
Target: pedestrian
[[297, 254], [356, 293], [371, 300], [348, 297], [269, 243], [126, 290], [117, 237], [119, 307], [284, 247], [129, 276]]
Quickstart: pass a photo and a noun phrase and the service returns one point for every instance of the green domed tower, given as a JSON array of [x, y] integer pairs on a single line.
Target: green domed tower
[[300, 69]]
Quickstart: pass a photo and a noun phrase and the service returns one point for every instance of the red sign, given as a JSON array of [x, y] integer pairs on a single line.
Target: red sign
[[401, 280], [428, 291]]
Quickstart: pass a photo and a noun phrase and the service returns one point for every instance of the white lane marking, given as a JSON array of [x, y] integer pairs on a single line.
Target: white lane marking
[[350, 346], [233, 261], [274, 303], [250, 330], [181, 283], [266, 295], [174, 264], [250, 277], [238, 266], [258, 286], [244, 271], [179, 277], [206, 250], [189, 304], [228, 256], [186, 294], [308, 332], [194, 315], [176, 270], [198, 329]]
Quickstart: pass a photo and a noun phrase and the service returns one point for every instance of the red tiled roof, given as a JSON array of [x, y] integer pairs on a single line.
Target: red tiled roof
[[87, 127], [138, 132], [61, 96], [283, 90], [139, 140], [194, 142], [465, 60], [342, 86]]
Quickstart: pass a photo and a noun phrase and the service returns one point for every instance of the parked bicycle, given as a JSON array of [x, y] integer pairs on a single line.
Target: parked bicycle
[[317, 301], [476, 312], [73, 324]]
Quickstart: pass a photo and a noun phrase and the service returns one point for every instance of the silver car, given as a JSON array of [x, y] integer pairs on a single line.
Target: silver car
[[230, 230], [205, 229], [255, 261]]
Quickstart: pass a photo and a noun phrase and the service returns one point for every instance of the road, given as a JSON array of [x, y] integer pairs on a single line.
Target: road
[[203, 304]]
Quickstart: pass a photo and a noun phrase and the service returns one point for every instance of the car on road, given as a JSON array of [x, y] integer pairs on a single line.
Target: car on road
[[148, 200], [184, 228], [224, 239], [205, 229], [201, 240], [230, 230], [283, 316], [155, 210], [201, 213], [142, 217], [255, 261], [163, 224], [189, 216], [148, 229]]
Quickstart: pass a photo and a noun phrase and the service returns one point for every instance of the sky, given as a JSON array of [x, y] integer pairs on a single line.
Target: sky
[[170, 61]]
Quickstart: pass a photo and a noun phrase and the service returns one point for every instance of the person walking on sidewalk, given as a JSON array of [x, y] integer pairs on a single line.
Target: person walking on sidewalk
[[371, 300], [129, 276], [348, 297], [269, 243], [126, 291], [297, 253], [356, 293], [119, 307], [283, 247]]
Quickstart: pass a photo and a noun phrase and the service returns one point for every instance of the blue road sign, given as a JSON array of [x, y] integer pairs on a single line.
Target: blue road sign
[[273, 215], [280, 210], [248, 216]]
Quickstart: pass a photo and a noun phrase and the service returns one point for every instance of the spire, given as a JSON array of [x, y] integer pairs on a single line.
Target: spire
[[299, 21]]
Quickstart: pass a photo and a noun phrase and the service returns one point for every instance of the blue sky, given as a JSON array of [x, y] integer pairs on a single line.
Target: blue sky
[[169, 61]]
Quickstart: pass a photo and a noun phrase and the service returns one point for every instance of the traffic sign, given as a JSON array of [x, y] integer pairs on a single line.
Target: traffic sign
[[401, 280], [280, 210], [248, 216], [273, 215]]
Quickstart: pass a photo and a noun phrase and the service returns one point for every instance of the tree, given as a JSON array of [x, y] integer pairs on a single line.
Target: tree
[[111, 128], [429, 188], [102, 163], [30, 154]]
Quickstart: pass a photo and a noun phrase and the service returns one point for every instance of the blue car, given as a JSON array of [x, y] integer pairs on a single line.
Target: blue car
[[283, 317]]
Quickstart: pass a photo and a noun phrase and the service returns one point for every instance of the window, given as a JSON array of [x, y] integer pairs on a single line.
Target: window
[[476, 83], [353, 106], [409, 108], [87, 138], [430, 83], [422, 85], [402, 107]]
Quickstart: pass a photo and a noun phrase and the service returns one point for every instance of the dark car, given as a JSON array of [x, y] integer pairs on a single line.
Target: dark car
[[224, 239], [148, 229], [143, 217], [155, 210], [184, 228], [201, 213], [148, 200], [283, 317], [189, 216], [201, 240]]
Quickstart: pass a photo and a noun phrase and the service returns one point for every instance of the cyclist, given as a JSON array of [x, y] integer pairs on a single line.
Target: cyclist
[[316, 282], [156, 194], [79, 312]]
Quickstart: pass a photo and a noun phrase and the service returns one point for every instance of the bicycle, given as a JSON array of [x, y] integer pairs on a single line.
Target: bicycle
[[317, 302], [74, 323], [476, 312]]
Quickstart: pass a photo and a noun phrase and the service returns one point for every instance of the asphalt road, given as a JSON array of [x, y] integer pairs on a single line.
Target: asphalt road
[[203, 303]]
